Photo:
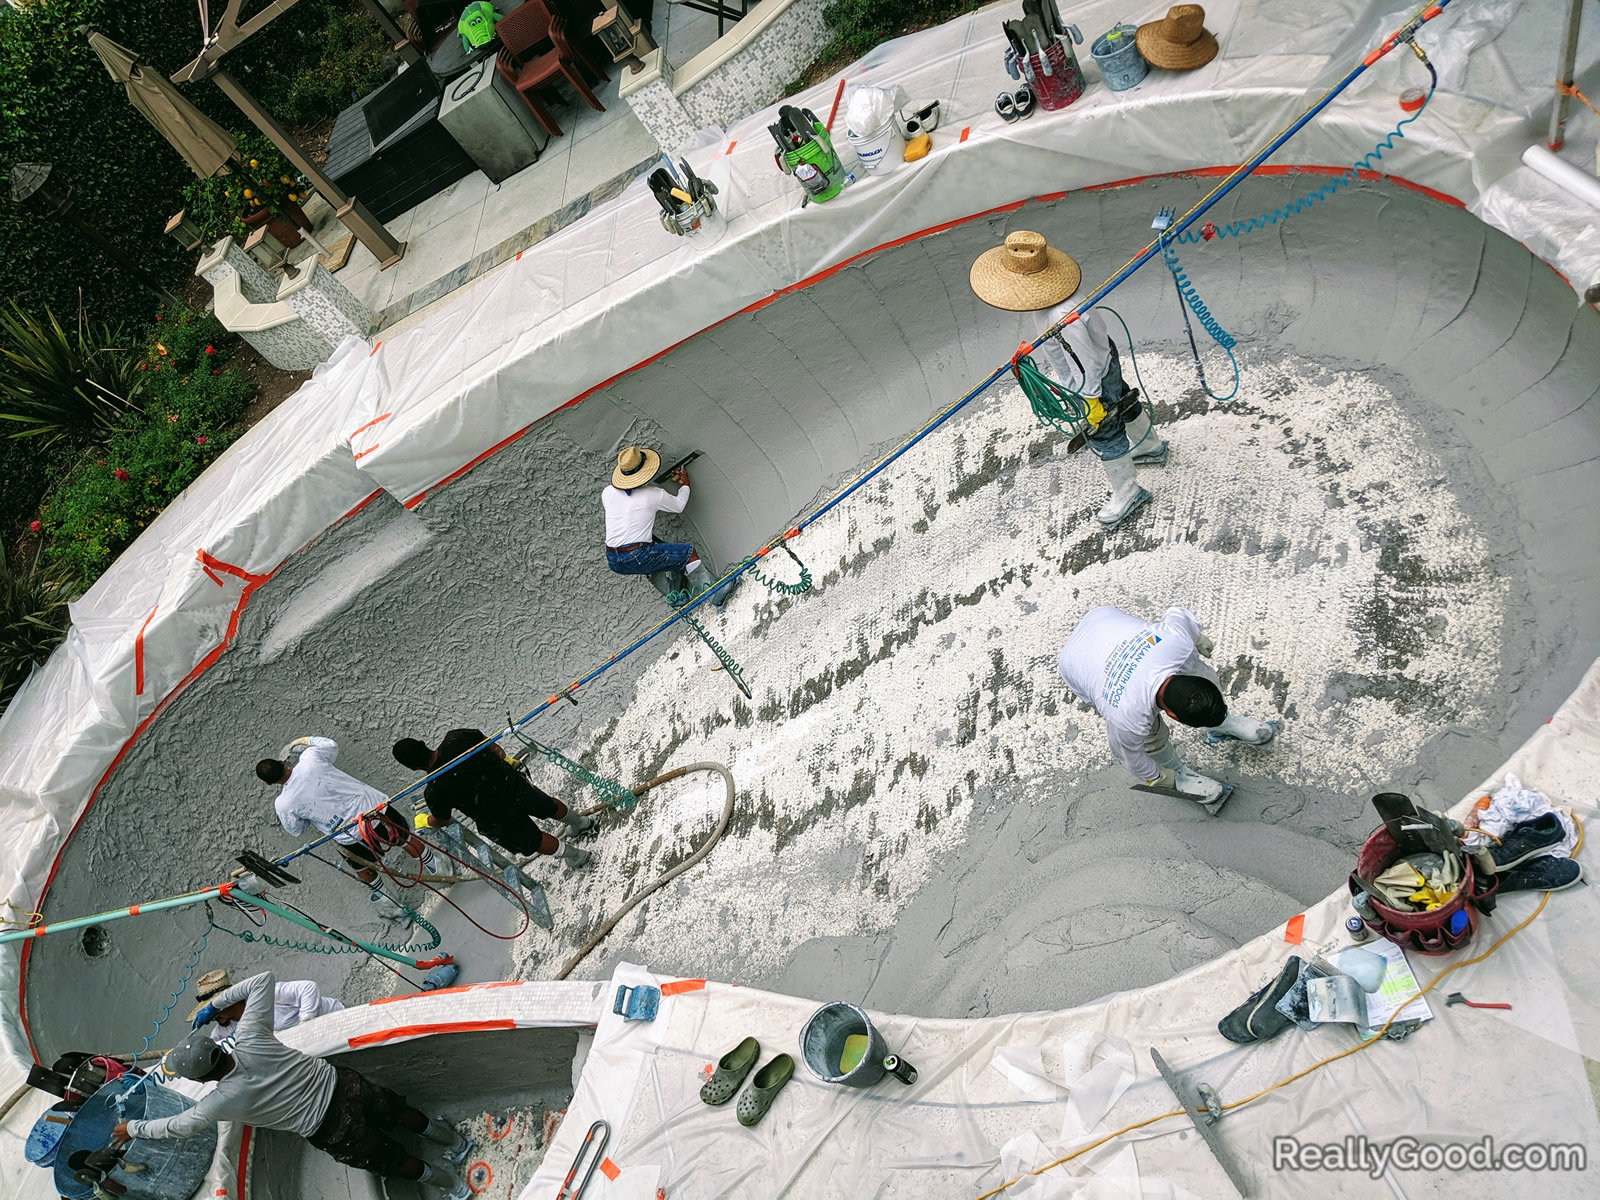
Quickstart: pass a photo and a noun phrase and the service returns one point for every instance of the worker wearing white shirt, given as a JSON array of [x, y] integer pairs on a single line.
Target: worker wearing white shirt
[[1133, 671], [317, 795], [631, 502], [1027, 274], [295, 1001]]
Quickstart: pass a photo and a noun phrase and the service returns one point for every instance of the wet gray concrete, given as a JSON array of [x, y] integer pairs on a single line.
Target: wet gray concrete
[[493, 593]]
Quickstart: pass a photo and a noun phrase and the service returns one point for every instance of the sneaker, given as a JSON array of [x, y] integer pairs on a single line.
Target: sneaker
[[1258, 1018], [388, 909], [1546, 874], [1527, 840]]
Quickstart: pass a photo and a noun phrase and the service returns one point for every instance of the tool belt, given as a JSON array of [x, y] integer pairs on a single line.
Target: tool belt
[[1430, 931]]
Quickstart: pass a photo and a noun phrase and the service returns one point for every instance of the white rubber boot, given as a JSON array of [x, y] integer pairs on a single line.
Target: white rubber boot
[[1245, 729], [457, 1145], [1208, 793], [574, 857], [1126, 494], [387, 908], [1149, 448], [449, 1185]]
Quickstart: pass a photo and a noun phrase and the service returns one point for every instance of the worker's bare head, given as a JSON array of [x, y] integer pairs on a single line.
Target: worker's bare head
[[271, 770], [409, 752], [1192, 700]]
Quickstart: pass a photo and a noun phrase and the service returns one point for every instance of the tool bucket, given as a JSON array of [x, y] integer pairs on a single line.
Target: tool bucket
[[1117, 55], [1425, 932], [822, 1045], [1056, 79], [819, 152], [173, 1167], [881, 149]]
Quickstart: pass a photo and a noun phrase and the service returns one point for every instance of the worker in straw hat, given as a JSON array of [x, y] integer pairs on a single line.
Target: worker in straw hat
[[1179, 41], [1026, 275], [631, 501], [294, 1002]]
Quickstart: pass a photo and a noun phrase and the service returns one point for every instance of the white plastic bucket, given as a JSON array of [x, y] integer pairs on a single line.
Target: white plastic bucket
[[882, 149]]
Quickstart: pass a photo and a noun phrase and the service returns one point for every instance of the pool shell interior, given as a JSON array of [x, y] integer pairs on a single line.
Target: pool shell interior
[[400, 622]]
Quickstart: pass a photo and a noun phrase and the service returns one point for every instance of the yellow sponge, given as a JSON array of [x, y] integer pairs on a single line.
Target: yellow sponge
[[918, 147]]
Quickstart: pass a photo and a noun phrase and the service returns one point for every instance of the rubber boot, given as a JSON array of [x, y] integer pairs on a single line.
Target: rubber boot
[[1208, 793], [574, 857], [1243, 729], [450, 1186], [577, 823], [457, 1145], [1126, 494], [700, 579], [1149, 449], [387, 908]]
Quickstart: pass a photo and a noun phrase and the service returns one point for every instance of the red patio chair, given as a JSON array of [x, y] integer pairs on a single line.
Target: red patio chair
[[525, 29]]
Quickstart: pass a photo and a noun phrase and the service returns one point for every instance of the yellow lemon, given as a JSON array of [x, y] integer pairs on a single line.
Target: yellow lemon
[[254, 163], [284, 178], [248, 193]]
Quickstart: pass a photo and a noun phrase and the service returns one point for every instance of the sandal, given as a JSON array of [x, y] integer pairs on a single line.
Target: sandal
[[764, 1088], [732, 1067]]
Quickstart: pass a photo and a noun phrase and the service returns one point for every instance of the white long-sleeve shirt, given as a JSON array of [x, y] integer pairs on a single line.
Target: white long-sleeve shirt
[[320, 796], [631, 515], [1089, 341], [294, 1001], [271, 1085], [1118, 662]]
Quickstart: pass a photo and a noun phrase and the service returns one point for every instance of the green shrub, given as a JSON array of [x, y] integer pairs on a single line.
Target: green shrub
[[861, 25], [107, 501], [54, 383], [33, 619], [355, 60]]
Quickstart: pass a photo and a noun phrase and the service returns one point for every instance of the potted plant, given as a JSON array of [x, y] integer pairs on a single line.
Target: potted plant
[[258, 188]]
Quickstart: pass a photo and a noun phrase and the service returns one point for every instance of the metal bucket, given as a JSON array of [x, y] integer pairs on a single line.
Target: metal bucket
[[822, 1045], [173, 1167], [1117, 55]]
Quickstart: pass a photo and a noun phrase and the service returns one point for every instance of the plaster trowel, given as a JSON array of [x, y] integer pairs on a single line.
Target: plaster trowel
[[1211, 806]]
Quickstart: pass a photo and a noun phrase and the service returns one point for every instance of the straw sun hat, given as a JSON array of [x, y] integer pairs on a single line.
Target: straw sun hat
[[1179, 41], [635, 466], [1024, 274], [207, 986]]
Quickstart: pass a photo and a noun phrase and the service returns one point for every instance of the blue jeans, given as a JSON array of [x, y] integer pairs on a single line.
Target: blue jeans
[[1109, 440], [652, 557]]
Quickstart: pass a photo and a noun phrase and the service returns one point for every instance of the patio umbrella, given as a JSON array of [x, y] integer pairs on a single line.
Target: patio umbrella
[[204, 144]]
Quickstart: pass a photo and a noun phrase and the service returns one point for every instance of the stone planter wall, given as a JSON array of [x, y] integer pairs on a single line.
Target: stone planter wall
[[741, 72]]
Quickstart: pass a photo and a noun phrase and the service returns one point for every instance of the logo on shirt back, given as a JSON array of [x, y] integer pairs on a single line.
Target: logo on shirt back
[[1124, 661]]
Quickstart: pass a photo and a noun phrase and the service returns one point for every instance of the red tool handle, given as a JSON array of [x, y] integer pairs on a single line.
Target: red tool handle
[[832, 111], [1475, 1004]]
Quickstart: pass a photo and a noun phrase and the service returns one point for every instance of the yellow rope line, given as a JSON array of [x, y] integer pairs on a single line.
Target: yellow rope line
[[1332, 1058]]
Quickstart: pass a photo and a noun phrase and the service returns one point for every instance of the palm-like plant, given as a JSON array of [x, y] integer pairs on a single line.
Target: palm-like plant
[[33, 620], [55, 383]]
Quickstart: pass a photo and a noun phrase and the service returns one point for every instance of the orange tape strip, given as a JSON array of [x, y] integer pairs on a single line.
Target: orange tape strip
[[1295, 929], [371, 423], [683, 985], [610, 1169], [138, 651], [405, 1031]]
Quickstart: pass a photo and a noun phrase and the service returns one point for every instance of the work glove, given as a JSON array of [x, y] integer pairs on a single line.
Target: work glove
[[1167, 779], [205, 1016], [1203, 645]]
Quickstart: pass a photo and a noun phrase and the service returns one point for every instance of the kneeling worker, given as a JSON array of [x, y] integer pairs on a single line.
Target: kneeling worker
[[1133, 671], [262, 1082], [1026, 275], [295, 1001], [631, 502], [501, 801]]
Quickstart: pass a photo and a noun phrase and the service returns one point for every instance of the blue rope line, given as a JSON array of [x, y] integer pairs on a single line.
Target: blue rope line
[[183, 986], [1366, 163], [1191, 297]]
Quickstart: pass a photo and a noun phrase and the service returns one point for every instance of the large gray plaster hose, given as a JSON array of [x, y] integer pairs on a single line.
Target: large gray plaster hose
[[669, 876]]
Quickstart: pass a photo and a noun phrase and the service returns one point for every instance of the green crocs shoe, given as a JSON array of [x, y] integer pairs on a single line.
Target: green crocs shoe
[[764, 1088], [732, 1067]]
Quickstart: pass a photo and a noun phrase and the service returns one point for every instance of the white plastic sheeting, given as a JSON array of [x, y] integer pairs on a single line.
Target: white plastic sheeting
[[990, 1093], [1549, 219], [615, 289]]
